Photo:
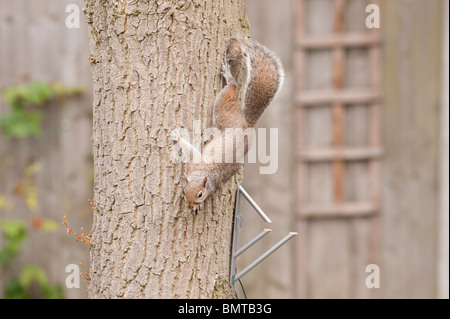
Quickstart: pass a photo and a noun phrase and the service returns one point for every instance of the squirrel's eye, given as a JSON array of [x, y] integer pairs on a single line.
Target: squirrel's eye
[[200, 194]]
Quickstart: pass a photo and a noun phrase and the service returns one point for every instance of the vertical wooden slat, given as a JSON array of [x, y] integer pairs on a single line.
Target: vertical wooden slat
[[300, 168], [375, 141], [443, 240], [337, 107]]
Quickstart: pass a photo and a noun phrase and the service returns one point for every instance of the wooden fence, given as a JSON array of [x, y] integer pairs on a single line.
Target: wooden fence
[[353, 98], [36, 45]]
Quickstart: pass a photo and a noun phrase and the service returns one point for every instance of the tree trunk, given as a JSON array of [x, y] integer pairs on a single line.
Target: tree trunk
[[156, 66]]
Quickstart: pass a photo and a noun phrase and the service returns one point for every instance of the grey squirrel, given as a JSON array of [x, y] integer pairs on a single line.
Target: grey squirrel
[[264, 77]]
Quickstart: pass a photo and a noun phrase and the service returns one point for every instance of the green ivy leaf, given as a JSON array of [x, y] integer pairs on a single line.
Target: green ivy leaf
[[15, 94], [32, 169], [39, 92], [53, 292], [20, 123], [49, 225], [19, 287], [14, 290], [15, 232], [32, 273], [13, 229]]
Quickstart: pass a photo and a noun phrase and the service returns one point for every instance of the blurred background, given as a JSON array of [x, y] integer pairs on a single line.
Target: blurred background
[[363, 150]]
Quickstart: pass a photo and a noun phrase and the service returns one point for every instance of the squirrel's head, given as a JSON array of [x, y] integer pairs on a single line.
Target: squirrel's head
[[195, 191]]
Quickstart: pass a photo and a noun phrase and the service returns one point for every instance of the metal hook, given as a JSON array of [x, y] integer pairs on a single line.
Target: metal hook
[[238, 224]]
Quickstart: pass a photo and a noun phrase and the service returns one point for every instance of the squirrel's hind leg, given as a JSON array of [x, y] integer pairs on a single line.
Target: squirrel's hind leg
[[225, 101]]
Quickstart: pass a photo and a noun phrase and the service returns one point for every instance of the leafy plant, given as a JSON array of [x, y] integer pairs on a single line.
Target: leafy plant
[[19, 287], [15, 232], [26, 189], [24, 119]]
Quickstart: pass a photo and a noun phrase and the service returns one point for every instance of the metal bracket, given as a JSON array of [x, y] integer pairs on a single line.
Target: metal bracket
[[238, 224]]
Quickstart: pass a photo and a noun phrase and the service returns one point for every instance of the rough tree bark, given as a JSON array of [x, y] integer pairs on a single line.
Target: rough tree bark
[[156, 66]]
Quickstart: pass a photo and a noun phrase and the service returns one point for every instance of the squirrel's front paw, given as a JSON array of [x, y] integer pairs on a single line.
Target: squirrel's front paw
[[175, 136]]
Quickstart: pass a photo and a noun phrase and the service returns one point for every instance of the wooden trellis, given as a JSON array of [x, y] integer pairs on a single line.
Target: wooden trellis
[[335, 96]]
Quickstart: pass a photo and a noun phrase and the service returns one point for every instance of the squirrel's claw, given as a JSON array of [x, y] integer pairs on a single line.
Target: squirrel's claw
[[197, 208], [226, 72], [175, 136]]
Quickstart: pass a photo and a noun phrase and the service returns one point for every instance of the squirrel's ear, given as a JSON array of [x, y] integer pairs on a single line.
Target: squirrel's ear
[[204, 182], [186, 178]]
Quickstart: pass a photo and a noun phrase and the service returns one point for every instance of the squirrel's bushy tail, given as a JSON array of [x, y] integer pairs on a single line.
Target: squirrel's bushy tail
[[265, 75]]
